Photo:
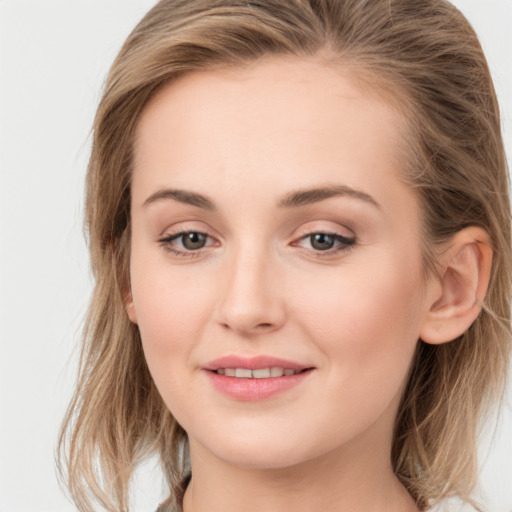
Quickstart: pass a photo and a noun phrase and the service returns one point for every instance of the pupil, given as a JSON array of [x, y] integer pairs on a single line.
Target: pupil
[[194, 240], [321, 241]]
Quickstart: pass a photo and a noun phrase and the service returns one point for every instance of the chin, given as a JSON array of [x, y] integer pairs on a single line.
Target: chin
[[262, 459], [256, 451]]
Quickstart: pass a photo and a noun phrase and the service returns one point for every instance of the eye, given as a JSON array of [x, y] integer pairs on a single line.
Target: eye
[[322, 241], [193, 240], [327, 243], [186, 243]]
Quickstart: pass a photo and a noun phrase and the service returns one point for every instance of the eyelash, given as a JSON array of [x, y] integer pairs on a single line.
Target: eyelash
[[344, 244]]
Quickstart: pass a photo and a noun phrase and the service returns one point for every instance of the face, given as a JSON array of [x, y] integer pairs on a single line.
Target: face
[[275, 261]]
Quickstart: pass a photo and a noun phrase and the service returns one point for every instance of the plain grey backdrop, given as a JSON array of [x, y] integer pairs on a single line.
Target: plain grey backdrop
[[53, 58]]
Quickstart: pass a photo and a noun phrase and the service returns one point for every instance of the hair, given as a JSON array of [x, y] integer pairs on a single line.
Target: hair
[[427, 59]]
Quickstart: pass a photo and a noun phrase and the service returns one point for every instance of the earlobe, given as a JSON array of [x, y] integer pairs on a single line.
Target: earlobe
[[130, 308], [459, 290]]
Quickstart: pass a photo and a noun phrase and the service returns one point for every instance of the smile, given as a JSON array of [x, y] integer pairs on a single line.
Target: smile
[[259, 373], [255, 378]]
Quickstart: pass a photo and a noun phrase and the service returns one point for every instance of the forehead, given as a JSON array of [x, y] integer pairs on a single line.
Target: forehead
[[305, 88], [276, 121]]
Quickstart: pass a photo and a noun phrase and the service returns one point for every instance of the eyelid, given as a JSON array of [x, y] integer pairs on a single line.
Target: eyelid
[[326, 227], [190, 225], [326, 231]]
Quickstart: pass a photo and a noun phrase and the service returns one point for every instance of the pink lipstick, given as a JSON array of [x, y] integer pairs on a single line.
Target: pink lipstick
[[255, 378]]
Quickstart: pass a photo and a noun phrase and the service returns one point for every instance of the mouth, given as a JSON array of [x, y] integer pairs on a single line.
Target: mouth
[[256, 378], [259, 373]]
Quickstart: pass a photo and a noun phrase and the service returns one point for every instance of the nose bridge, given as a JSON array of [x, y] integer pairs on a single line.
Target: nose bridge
[[251, 300]]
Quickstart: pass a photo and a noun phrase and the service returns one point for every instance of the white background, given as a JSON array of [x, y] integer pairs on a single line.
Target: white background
[[53, 58]]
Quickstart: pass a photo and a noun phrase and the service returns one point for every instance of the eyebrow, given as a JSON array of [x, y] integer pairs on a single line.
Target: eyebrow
[[293, 199], [183, 196], [314, 195]]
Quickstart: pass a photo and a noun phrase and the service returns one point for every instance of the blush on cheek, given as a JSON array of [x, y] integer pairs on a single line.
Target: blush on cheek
[[171, 325]]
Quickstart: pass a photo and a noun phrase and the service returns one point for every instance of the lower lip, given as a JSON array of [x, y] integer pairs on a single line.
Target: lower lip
[[255, 389]]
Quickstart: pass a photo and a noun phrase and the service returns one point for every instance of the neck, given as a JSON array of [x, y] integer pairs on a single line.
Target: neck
[[351, 478]]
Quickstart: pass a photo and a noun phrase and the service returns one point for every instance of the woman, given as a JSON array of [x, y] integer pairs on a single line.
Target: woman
[[300, 231]]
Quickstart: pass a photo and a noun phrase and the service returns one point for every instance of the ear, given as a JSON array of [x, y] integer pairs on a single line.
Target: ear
[[130, 308], [457, 292]]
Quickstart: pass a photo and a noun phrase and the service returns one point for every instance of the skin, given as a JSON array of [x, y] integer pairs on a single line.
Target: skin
[[246, 139]]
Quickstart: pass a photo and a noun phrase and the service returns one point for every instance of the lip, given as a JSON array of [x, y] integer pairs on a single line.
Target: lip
[[252, 390], [253, 363]]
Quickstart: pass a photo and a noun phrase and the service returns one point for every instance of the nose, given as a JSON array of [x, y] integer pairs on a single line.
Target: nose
[[252, 299]]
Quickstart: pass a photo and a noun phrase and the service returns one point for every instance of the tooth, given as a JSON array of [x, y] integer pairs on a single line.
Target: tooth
[[289, 371], [229, 372], [276, 372], [262, 373], [243, 372], [220, 371]]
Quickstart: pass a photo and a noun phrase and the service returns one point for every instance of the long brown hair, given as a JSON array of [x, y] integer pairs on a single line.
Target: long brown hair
[[425, 58]]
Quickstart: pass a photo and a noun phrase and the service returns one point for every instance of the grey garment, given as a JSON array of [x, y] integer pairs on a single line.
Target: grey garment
[[168, 507], [175, 503]]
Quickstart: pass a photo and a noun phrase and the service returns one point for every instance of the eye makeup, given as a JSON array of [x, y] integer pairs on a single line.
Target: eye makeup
[[189, 243]]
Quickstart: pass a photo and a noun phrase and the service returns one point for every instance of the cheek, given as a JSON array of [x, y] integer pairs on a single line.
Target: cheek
[[171, 312], [366, 321], [366, 330], [170, 317]]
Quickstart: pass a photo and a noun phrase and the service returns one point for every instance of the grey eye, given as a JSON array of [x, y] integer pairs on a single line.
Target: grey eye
[[322, 241], [193, 241]]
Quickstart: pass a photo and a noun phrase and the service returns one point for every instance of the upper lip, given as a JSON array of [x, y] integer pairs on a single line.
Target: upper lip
[[253, 363]]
